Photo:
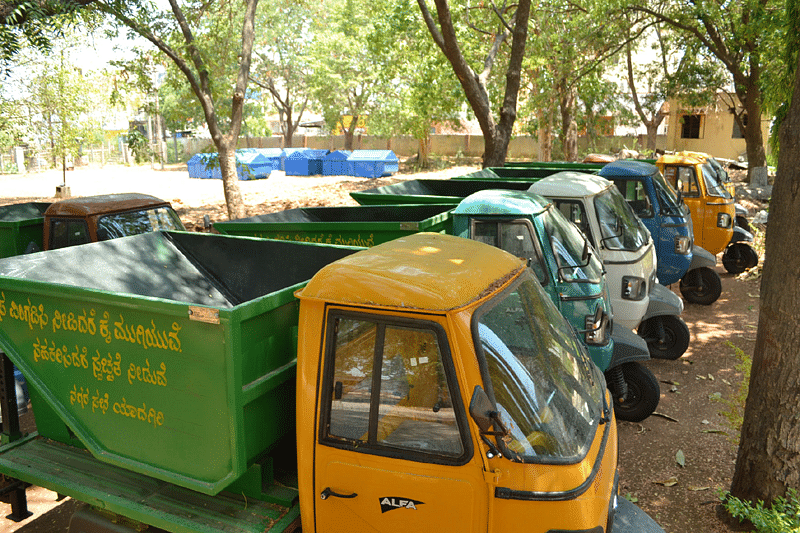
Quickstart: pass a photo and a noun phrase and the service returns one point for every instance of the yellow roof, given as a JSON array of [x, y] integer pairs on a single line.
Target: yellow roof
[[427, 271], [681, 158]]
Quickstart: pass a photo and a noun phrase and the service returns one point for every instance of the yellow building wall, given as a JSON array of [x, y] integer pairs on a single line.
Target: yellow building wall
[[716, 131]]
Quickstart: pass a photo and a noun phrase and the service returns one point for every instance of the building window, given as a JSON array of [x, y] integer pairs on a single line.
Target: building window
[[691, 126], [737, 131]]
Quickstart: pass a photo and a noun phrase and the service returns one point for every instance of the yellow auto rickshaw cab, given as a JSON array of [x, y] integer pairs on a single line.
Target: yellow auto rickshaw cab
[[711, 205]]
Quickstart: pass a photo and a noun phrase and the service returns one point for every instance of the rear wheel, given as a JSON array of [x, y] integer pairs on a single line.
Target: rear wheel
[[701, 286], [642, 395], [667, 336], [738, 257]]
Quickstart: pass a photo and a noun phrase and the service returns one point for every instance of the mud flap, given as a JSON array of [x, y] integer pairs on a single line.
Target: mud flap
[[628, 518], [628, 347], [741, 235], [663, 302], [702, 258]]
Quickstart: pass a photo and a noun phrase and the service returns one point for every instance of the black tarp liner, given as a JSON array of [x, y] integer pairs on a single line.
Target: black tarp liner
[[194, 268], [19, 212], [454, 188], [391, 213]]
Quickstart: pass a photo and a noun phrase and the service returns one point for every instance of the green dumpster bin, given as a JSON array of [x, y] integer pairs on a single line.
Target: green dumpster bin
[[351, 226], [21, 225], [427, 191], [169, 354]]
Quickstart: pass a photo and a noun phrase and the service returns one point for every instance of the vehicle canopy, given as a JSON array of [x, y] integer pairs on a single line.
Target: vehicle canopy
[[657, 204], [528, 226], [374, 279], [86, 206], [711, 204], [597, 208], [99, 218]]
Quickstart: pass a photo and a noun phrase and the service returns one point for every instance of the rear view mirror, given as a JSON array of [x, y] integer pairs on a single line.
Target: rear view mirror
[[484, 414]]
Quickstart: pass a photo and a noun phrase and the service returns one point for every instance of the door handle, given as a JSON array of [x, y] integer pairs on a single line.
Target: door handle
[[327, 493]]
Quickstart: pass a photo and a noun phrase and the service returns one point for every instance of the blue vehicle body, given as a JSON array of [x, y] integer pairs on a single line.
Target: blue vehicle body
[[665, 216]]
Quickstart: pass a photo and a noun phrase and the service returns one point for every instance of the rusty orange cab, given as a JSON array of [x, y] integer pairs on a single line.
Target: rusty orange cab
[[712, 206], [439, 389]]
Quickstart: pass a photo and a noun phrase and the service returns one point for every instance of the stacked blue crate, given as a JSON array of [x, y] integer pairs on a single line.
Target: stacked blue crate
[[373, 163], [335, 163]]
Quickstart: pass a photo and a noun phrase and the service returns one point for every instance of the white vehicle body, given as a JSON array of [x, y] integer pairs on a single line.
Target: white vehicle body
[[624, 244]]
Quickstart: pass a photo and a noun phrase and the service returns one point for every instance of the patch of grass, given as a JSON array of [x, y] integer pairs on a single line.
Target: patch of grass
[[783, 516]]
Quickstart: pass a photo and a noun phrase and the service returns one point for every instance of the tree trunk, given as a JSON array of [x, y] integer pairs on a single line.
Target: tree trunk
[[754, 140], [569, 128], [230, 180], [348, 138], [652, 134], [495, 148], [545, 140], [769, 449], [423, 161]]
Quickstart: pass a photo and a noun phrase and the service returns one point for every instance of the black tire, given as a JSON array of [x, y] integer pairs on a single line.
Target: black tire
[[643, 395], [676, 336], [738, 257], [701, 286]]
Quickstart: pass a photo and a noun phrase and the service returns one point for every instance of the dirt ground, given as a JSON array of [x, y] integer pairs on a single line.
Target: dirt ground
[[672, 465]]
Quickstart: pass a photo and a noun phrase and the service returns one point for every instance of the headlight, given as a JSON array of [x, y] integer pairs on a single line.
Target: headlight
[[723, 220], [633, 288], [597, 328], [682, 245]]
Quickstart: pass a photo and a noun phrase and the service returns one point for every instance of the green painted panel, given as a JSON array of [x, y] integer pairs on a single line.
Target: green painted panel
[[118, 354], [429, 191], [364, 226], [21, 224]]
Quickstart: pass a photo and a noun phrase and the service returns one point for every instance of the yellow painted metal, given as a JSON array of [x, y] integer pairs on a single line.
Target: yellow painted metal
[[457, 497], [439, 272], [705, 208]]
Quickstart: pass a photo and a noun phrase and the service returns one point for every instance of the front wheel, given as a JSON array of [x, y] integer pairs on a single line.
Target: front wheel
[[643, 393], [667, 336], [738, 257], [701, 286]]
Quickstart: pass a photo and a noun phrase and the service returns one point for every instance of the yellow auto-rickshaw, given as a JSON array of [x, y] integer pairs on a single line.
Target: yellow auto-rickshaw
[[710, 200]]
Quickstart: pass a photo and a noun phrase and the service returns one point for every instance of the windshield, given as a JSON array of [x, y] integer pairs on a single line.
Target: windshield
[[538, 376], [136, 222], [620, 228], [568, 246], [713, 182], [667, 196]]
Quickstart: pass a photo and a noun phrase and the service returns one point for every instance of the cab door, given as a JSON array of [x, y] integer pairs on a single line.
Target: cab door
[[684, 178], [393, 451]]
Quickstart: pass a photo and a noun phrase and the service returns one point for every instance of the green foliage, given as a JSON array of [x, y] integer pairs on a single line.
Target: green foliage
[[783, 516], [138, 144]]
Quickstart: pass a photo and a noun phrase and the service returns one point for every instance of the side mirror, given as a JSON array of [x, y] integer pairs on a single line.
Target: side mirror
[[484, 415]]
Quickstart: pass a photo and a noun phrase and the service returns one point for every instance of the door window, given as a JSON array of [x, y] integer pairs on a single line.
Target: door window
[[635, 193], [575, 213], [515, 238], [65, 233], [388, 392]]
